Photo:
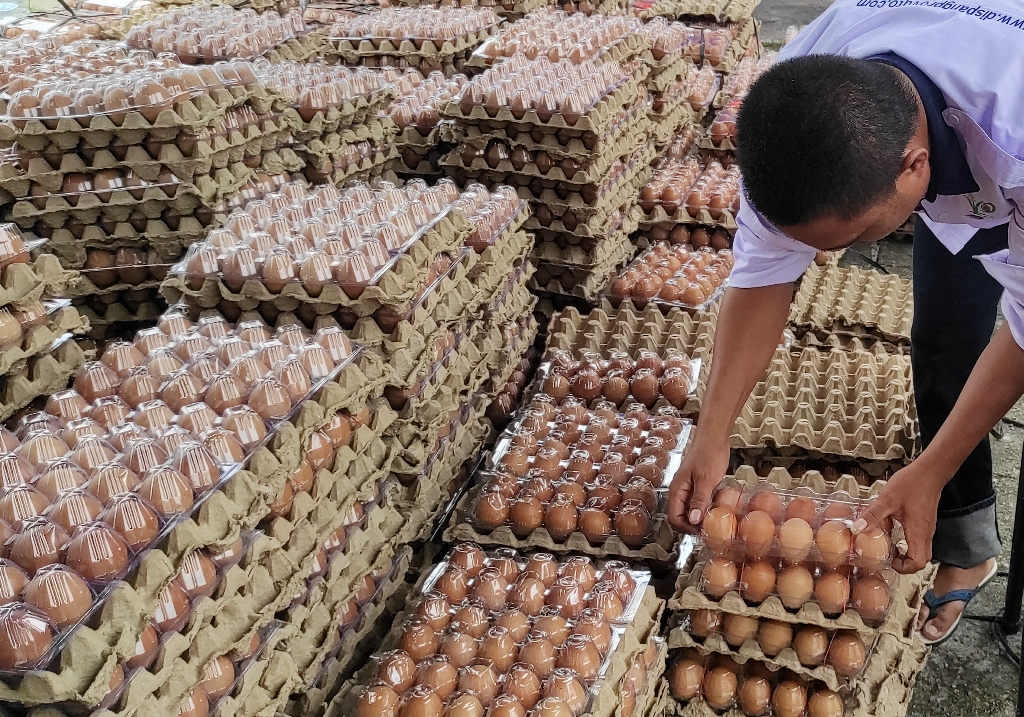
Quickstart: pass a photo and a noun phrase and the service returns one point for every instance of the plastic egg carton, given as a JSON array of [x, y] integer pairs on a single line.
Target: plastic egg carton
[[709, 289], [838, 658], [716, 684], [854, 302], [430, 32], [417, 105], [581, 667]]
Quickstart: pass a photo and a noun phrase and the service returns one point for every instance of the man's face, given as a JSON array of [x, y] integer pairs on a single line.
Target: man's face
[[831, 233]]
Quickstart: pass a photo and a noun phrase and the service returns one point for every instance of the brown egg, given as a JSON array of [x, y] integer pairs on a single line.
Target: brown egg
[[825, 703], [580, 654], [832, 591], [757, 532], [526, 515], [197, 576], [523, 685], [527, 595], [217, 677], [497, 648], [795, 540], [458, 647], [757, 581], [133, 518], [167, 490], [480, 680], [472, 618], [464, 705], [396, 670], [871, 549], [538, 653], [25, 637], [551, 623], [645, 386], [21, 503], [811, 645], [720, 576], [564, 686], [515, 621], [754, 696], [632, 523], [795, 586], [434, 608], [834, 542], [789, 699], [801, 507], [491, 510], [40, 542], [719, 529], [737, 629], [720, 686], [704, 623], [420, 701], [172, 609], [685, 678], [767, 501], [870, 597], [439, 675], [377, 701], [97, 552], [846, 654], [13, 581], [774, 637], [146, 648], [60, 593], [594, 625]]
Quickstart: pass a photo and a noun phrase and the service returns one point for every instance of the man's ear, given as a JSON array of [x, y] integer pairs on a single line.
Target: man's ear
[[915, 161]]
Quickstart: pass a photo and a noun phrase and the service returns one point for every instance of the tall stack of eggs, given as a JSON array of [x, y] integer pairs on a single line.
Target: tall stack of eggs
[[416, 112], [681, 90], [509, 634], [510, 10], [570, 130], [783, 579], [156, 467], [426, 39]]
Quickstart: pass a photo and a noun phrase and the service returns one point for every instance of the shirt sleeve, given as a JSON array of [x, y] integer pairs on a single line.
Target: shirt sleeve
[[764, 255]]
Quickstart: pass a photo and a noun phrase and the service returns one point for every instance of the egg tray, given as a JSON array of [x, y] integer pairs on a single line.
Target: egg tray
[[329, 145], [665, 128], [61, 321], [341, 172], [627, 222], [418, 444], [508, 362], [745, 40], [647, 696], [326, 673], [69, 242], [822, 340], [510, 11], [607, 196], [394, 286], [598, 118], [43, 374], [574, 281], [101, 324], [501, 309], [650, 9], [854, 302], [716, 643], [660, 217], [621, 49], [661, 303], [22, 285]]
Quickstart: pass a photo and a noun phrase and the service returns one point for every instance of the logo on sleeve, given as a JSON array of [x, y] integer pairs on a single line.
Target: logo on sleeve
[[979, 210]]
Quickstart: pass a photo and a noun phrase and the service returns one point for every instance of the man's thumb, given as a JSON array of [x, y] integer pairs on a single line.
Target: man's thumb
[[698, 502], [874, 516]]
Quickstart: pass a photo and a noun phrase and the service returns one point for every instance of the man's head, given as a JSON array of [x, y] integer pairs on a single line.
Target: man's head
[[833, 150]]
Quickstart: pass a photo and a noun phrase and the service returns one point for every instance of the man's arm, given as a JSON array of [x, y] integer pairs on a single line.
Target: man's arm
[[749, 328]]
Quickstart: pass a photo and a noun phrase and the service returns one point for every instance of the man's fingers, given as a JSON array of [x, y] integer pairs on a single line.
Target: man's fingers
[[698, 502], [678, 495], [907, 565], [876, 515]]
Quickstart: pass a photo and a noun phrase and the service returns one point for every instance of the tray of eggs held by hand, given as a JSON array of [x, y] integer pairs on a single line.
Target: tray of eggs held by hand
[[509, 633], [796, 547], [567, 469]]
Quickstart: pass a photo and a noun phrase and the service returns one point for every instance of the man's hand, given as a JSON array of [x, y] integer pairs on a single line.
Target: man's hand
[[911, 497], [703, 467]]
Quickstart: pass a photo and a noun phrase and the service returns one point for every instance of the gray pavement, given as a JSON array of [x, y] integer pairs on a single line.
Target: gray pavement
[[968, 676]]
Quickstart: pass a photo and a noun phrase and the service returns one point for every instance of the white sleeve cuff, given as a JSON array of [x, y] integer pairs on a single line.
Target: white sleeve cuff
[[764, 255]]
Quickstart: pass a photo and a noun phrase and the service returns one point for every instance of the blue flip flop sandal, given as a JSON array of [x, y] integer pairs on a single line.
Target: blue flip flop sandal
[[964, 595]]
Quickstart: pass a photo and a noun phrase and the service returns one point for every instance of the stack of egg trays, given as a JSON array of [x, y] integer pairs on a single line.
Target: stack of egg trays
[[632, 634], [896, 653], [659, 545], [831, 403], [607, 330]]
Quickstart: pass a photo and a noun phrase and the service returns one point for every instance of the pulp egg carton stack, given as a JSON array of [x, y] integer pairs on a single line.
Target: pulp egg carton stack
[[126, 477], [56, 28], [416, 112], [336, 117], [589, 7], [854, 303], [510, 10], [720, 11], [574, 138], [681, 91], [201, 33], [738, 82], [721, 45], [582, 474], [509, 396], [780, 609], [427, 39], [834, 405], [515, 633]]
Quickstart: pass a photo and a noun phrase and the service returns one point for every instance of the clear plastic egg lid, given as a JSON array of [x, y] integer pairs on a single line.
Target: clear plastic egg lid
[[846, 651], [415, 23], [113, 180], [295, 80]]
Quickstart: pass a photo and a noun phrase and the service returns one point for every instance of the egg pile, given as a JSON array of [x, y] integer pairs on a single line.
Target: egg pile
[[844, 651], [574, 138], [558, 35], [748, 70], [752, 688], [423, 38], [204, 33], [568, 469], [416, 112], [722, 131], [673, 276], [504, 633], [647, 380]]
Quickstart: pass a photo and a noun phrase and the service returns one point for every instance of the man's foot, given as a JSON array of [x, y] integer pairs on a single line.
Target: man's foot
[[935, 625]]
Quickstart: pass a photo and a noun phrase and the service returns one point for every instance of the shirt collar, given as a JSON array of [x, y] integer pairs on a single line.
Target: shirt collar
[[951, 175]]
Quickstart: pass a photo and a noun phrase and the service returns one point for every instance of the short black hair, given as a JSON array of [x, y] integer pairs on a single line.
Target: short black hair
[[824, 135]]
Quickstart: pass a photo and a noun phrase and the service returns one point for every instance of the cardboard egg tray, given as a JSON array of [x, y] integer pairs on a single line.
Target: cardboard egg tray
[[22, 285], [417, 444], [627, 222], [649, 9], [509, 10], [826, 341], [598, 119], [396, 287], [630, 638], [659, 217], [885, 428], [341, 171], [854, 302], [717, 644], [61, 321], [39, 375], [582, 282], [103, 317], [353, 49], [329, 145], [620, 50]]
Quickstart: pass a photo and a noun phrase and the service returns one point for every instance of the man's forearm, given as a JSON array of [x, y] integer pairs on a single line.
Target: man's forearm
[[995, 384], [749, 328]]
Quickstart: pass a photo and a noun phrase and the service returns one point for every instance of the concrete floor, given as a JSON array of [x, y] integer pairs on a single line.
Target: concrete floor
[[969, 676]]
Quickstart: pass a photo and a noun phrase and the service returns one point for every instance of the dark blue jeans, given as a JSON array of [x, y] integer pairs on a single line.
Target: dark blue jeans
[[955, 303]]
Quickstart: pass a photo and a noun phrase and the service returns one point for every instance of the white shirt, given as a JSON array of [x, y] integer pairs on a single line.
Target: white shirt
[[975, 55]]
